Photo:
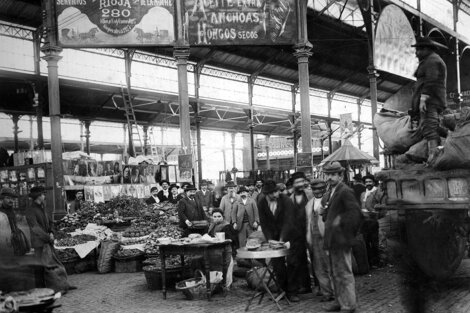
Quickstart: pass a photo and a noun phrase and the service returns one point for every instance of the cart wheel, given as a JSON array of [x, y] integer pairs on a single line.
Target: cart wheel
[[435, 241]]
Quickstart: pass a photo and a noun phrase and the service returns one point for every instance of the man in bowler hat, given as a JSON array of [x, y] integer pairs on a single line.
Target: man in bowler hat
[[278, 222]]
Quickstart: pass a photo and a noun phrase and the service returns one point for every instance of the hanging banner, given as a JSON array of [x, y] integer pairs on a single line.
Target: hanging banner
[[105, 23], [241, 22], [393, 39], [346, 125], [185, 166]]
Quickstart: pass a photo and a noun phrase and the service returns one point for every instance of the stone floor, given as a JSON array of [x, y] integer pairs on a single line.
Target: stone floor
[[377, 292]]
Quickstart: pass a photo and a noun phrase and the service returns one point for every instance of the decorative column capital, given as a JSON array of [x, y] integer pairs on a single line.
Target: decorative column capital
[[303, 51], [372, 70], [181, 53], [52, 53]]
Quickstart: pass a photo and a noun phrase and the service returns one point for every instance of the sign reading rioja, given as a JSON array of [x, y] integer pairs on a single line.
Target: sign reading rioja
[[95, 23], [242, 22]]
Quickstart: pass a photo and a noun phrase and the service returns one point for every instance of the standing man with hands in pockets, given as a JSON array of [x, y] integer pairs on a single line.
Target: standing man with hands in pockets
[[343, 219], [245, 216]]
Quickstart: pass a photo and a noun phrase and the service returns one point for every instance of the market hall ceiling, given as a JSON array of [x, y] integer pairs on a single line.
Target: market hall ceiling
[[339, 64]]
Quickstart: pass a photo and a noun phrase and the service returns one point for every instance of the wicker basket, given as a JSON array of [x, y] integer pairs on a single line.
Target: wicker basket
[[193, 288], [129, 265], [154, 277]]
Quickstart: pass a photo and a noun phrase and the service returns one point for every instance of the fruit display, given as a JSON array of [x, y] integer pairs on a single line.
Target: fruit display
[[165, 227], [137, 232], [125, 206], [171, 261], [73, 241], [68, 242], [134, 241], [85, 237], [127, 253], [66, 254]]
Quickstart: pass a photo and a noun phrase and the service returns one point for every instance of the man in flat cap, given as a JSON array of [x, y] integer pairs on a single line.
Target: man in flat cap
[[315, 233], [429, 94], [342, 222]]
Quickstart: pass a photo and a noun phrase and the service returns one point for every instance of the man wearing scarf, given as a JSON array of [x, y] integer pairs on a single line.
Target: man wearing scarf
[[299, 245], [315, 233]]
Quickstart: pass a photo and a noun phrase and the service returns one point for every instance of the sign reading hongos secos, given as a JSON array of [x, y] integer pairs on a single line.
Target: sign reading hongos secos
[[244, 22]]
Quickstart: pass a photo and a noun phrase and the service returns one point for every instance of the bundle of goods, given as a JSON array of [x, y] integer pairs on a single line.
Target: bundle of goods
[[107, 250], [34, 300]]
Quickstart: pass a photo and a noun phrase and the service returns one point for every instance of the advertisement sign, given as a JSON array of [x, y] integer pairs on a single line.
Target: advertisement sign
[[393, 39], [247, 22], [304, 159], [101, 23], [185, 166]]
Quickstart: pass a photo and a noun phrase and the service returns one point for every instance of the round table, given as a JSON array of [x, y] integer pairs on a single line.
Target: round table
[[244, 253]]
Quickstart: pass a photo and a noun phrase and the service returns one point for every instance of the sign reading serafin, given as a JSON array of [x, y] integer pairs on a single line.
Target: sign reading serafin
[[98, 23], [242, 22]]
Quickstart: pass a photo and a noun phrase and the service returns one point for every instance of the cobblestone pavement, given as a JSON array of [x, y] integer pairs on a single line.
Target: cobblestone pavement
[[127, 292]]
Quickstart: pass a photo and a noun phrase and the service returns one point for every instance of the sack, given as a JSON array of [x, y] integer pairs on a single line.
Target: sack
[[456, 151], [105, 260], [55, 275], [20, 243], [254, 282], [395, 131]]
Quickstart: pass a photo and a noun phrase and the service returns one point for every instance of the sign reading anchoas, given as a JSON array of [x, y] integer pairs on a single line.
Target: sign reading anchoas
[[243, 22], [98, 23]]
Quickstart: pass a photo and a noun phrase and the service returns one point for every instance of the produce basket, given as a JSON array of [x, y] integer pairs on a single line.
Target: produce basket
[[195, 288], [131, 264], [153, 276]]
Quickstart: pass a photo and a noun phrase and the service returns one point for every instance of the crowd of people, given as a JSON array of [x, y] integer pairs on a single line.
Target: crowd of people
[[318, 220]]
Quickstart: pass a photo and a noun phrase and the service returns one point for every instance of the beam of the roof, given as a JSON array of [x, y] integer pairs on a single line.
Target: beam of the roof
[[327, 6], [261, 68]]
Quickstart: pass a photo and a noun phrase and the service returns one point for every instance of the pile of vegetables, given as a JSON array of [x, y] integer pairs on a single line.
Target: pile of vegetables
[[136, 231], [73, 241], [127, 253], [66, 254], [166, 226], [124, 206]]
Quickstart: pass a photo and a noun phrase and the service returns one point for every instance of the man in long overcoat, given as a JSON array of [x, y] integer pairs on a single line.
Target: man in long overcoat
[[343, 219], [299, 246], [278, 222]]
